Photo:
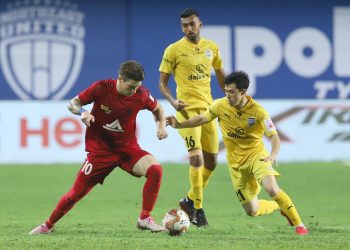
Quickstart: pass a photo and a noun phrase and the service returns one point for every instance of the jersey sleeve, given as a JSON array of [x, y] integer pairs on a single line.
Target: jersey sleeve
[[90, 94], [217, 61], [212, 112], [150, 101], [168, 61], [267, 124]]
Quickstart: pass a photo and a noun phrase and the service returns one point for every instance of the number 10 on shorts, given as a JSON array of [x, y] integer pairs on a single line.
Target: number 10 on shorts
[[87, 168]]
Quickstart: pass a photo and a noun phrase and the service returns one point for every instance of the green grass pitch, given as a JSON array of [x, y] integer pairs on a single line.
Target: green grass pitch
[[106, 218]]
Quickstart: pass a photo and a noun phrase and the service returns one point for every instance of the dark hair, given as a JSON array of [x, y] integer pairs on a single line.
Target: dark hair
[[189, 12], [240, 78], [132, 70]]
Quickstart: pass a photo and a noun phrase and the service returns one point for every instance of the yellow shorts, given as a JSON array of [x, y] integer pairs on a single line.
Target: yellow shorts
[[203, 137], [246, 179]]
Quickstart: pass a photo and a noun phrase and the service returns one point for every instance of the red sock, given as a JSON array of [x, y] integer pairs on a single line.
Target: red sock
[[67, 201], [151, 190]]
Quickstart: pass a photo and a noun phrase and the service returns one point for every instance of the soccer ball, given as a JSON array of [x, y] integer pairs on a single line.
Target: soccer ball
[[176, 222]]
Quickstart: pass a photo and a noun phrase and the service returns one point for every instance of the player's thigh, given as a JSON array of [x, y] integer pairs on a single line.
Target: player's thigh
[[262, 169], [95, 170], [141, 166], [209, 137], [244, 184], [136, 161], [191, 136]]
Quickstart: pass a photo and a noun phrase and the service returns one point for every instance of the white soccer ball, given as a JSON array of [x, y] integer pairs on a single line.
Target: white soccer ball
[[176, 222]]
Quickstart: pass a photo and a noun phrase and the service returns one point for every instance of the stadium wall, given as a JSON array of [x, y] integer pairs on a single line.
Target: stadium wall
[[293, 49], [296, 52]]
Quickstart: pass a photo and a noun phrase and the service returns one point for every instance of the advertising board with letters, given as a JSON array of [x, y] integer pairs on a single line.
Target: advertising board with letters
[[309, 130]]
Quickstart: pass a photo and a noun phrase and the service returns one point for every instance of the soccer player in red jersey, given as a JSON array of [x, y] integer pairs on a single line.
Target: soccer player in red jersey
[[110, 142]]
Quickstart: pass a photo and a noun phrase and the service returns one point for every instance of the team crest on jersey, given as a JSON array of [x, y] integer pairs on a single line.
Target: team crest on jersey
[[106, 109], [42, 47], [251, 121], [209, 53]]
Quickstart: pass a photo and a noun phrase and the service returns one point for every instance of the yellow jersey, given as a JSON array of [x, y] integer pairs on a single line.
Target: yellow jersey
[[242, 129], [191, 65]]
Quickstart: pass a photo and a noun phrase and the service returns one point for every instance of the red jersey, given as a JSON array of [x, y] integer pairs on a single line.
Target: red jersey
[[115, 116]]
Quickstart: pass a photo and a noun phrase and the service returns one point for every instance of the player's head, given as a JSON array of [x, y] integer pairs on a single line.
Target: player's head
[[236, 85], [131, 75], [191, 24]]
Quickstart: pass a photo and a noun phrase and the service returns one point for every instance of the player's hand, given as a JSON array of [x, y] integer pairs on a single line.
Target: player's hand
[[162, 133], [172, 121], [179, 105], [87, 118], [271, 158]]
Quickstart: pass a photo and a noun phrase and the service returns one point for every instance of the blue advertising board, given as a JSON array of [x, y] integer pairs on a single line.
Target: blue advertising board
[[52, 49]]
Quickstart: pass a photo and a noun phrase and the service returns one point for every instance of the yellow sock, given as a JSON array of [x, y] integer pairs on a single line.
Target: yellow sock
[[267, 207], [206, 175], [196, 180], [287, 207]]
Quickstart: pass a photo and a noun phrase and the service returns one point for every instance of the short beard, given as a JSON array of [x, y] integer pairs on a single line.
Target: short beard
[[193, 38]]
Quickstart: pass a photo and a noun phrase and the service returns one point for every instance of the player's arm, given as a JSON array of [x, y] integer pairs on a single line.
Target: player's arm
[[166, 92], [220, 75], [190, 123], [75, 107], [159, 118]]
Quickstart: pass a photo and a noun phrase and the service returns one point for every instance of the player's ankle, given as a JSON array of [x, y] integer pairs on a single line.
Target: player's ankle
[[49, 224], [144, 214]]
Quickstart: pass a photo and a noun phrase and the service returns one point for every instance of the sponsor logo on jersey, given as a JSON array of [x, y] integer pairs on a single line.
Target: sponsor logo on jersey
[[166, 60], [106, 109], [200, 68], [239, 133], [42, 47], [114, 126]]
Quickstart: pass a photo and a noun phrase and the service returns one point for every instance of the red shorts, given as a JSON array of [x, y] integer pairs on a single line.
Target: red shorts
[[97, 167]]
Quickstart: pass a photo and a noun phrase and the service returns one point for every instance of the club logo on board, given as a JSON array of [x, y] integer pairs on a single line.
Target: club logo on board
[[41, 47]]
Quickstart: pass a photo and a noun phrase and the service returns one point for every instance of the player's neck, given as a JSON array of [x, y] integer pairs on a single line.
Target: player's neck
[[118, 88], [242, 103], [194, 42]]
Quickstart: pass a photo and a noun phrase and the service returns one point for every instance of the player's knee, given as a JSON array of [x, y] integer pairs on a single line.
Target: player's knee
[[196, 160], [155, 172], [273, 191], [252, 212]]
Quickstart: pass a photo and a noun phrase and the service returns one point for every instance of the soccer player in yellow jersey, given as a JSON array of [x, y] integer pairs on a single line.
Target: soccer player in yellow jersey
[[243, 123], [190, 60]]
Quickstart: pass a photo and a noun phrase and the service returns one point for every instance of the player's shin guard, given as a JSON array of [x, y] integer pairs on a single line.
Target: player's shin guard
[[266, 207], [151, 189], [196, 180], [287, 207]]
